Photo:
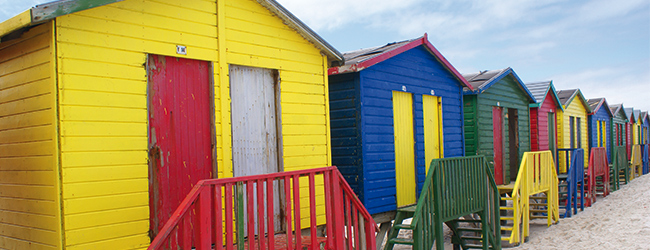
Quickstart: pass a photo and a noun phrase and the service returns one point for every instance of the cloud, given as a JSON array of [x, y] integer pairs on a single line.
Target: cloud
[[626, 84], [10, 8], [333, 14]]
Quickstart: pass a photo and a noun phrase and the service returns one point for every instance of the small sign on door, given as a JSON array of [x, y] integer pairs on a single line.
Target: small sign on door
[[181, 50]]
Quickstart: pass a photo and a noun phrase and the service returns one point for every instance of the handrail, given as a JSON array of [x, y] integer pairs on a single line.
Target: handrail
[[455, 187], [349, 225], [646, 158], [598, 166], [636, 164], [619, 163], [536, 174], [575, 175]]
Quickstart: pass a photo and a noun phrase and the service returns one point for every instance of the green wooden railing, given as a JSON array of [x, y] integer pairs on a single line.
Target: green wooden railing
[[456, 187], [619, 164]]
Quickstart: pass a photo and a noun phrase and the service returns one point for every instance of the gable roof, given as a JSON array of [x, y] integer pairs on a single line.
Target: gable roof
[[566, 97], [48, 11], [596, 103], [359, 60], [483, 80], [539, 90], [644, 116], [616, 108], [629, 112], [637, 115]]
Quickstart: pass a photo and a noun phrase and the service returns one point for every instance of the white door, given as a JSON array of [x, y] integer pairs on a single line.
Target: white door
[[255, 126]]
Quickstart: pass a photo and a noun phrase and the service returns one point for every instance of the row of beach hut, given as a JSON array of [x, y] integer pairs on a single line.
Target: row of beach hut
[[111, 110]]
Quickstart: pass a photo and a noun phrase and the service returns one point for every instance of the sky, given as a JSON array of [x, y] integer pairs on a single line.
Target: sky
[[601, 47]]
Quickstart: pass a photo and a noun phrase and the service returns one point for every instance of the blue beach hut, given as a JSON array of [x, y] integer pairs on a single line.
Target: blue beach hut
[[393, 109], [600, 125]]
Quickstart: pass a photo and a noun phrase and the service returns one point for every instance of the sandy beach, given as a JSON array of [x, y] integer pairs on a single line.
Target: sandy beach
[[618, 221]]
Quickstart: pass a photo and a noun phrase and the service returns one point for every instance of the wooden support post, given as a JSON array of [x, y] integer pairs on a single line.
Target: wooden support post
[[383, 230]]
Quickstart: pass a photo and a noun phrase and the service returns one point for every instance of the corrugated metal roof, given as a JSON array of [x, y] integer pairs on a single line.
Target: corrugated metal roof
[[539, 89], [362, 55], [480, 79], [629, 113], [483, 80], [615, 108], [48, 11], [566, 95], [637, 114], [359, 60], [597, 103]]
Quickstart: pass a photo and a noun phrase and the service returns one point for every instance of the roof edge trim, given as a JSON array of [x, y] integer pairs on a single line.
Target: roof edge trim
[[17, 22]]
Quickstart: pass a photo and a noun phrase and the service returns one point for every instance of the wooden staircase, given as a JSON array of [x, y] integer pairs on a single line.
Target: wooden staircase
[[571, 185], [459, 192], [636, 162], [619, 173], [533, 196], [596, 176]]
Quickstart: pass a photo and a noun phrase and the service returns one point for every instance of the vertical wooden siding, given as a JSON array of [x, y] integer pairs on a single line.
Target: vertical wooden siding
[[576, 109], [420, 73], [29, 176], [508, 95]]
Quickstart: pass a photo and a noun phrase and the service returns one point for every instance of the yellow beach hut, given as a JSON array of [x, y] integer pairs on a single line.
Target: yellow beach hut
[[572, 124], [111, 110]]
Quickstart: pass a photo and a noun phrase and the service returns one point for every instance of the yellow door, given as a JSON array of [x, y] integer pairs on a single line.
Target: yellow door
[[404, 148], [433, 143]]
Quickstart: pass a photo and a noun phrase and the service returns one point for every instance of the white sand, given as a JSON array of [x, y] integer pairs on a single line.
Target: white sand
[[618, 221]]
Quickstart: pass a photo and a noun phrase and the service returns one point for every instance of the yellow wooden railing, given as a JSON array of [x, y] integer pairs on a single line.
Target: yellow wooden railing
[[536, 175], [636, 162]]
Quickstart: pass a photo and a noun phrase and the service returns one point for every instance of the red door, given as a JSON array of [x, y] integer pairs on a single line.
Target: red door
[[180, 134], [497, 128]]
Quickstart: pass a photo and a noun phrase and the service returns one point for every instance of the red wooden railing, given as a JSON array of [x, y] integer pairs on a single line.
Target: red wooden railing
[[238, 213], [598, 167]]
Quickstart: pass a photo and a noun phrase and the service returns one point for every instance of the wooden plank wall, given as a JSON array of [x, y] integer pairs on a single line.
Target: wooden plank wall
[[509, 95], [255, 37], [575, 109], [419, 71], [103, 83], [29, 176], [596, 122], [345, 113]]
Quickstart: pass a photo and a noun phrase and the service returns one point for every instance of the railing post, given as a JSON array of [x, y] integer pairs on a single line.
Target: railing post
[[239, 215], [204, 218]]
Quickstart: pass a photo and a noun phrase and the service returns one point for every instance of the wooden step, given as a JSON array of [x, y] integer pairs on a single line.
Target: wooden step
[[469, 221], [506, 228], [474, 246], [471, 237], [507, 218], [505, 238], [404, 226], [538, 210], [401, 241], [538, 217], [469, 229], [407, 209], [539, 204], [506, 208]]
